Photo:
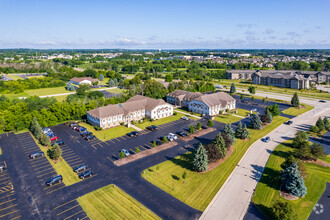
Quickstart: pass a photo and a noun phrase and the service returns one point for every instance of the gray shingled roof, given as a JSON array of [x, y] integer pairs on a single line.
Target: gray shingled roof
[[219, 98]]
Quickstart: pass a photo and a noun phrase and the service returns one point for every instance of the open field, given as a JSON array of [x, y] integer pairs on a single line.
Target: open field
[[162, 120], [108, 133], [267, 191], [46, 91], [242, 112], [297, 111], [61, 167], [111, 202], [198, 189], [245, 85]]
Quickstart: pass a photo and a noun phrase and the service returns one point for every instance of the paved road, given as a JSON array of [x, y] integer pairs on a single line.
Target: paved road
[[322, 209], [233, 199], [324, 140]]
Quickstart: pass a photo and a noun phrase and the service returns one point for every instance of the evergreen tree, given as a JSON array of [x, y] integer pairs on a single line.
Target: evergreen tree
[[111, 83], [70, 87], [38, 131], [165, 140], [220, 145], [239, 130], [292, 181], [228, 130], [274, 109], [101, 77], [295, 100], [246, 133], [326, 123], [210, 123], [198, 126], [232, 88], [213, 153], [320, 124], [33, 124], [200, 161], [252, 89], [282, 211], [121, 154], [317, 150], [137, 149], [54, 152], [191, 129], [256, 122], [252, 98], [44, 140], [269, 116]]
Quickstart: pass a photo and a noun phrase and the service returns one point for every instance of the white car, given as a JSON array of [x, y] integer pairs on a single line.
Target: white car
[[254, 110], [46, 130], [2, 168], [185, 118], [126, 152], [173, 136]]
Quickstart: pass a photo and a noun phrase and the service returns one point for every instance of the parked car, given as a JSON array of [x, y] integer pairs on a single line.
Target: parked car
[[2, 168], [86, 174], [172, 136], [89, 137], [53, 138], [80, 168], [181, 133], [266, 139], [288, 122], [85, 133], [73, 125], [130, 134], [36, 155], [136, 133], [60, 142], [184, 118], [152, 127], [80, 129], [323, 101], [254, 110], [126, 152], [50, 134], [46, 130], [244, 100], [54, 180], [157, 142]]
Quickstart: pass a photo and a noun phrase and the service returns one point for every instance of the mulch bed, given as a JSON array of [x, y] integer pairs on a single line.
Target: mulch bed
[[215, 164], [144, 153], [319, 162], [288, 196], [198, 134]]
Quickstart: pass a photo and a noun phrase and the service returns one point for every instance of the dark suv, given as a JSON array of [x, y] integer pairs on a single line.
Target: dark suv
[[36, 155], [58, 143], [152, 127], [80, 168], [54, 180], [86, 174], [85, 133], [89, 137]]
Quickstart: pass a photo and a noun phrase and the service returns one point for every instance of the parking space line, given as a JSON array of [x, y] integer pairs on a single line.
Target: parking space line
[[8, 213], [72, 156], [106, 143], [117, 139], [51, 187], [65, 155], [7, 201], [123, 138], [41, 163], [43, 166], [64, 204], [84, 217], [5, 182], [73, 214], [68, 209], [7, 196], [55, 190], [112, 141], [44, 170], [8, 207], [4, 178], [109, 159], [16, 217], [46, 174], [36, 159], [70, 160], [74, 164], [93, 147], [143, 147]]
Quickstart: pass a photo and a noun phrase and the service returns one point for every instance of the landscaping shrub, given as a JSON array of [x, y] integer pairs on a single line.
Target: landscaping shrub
[[175, 113], [137, 149], [184, 175], [97, 128], [44, 140], [210, 123], [191, 129], [54, 152], [198, 126], [122, 123], [165, 140], [314, 129], [121, 154], [154, 144]]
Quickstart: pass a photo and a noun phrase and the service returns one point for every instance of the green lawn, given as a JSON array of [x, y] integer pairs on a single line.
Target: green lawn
[[162, 120], [227, 119], [111, 202], [242, 112], [108, 133], [187, 112], [297, 111], [61, 168], [0, 151], [267, 191], [61, 98], [14, 76], [198, 189], [46, 91], [326, 158]]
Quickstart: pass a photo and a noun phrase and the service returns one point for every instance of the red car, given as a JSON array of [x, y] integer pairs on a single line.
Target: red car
[[54, 138]]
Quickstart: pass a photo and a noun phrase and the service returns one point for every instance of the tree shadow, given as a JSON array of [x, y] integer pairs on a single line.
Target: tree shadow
[[175, 177], [184, 161], [254, 212], [282, 154], [263, 212], [257, 172], [271, 178]]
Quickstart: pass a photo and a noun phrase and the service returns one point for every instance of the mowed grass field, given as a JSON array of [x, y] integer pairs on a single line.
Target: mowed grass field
[[298, 111], [163, 120], [198, 189], [111, 202], [227, 118], [267, 191], [108, 133], [61, 167]]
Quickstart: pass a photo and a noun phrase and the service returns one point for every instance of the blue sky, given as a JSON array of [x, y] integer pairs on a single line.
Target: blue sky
[[167, 24]]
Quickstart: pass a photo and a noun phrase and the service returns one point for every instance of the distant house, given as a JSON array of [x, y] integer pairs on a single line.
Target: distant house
[[83, 80], [206, 104], [136, 108]]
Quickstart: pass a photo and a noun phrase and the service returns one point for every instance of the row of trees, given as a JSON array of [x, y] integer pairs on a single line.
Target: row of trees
[[320, 125]]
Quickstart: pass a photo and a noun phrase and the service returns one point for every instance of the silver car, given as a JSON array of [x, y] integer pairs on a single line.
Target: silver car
[[126, 152]]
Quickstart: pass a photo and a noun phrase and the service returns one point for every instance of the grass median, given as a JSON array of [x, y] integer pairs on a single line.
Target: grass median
[[111, 202], [198, 189], [298, 111], [61, 167], [109, 133], [267, 191], [227, 118]]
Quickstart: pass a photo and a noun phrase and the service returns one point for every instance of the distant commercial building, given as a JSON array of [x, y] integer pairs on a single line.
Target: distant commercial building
[[83, 80], [136, 108], [206, 104]]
